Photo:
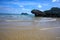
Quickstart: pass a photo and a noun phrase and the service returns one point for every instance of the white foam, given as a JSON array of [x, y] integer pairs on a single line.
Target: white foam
[[49, 28], [45, 20], [18, 20]]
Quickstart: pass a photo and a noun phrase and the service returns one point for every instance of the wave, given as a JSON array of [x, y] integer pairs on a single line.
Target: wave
[[45, 20], [42, 20]]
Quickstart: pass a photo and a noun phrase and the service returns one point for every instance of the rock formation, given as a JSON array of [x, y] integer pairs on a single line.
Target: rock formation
[[53, 12], [37, 12], [24, 13]]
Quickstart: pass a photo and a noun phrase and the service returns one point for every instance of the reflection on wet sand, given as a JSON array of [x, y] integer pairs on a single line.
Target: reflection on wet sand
[[33, 34], [28, 34]]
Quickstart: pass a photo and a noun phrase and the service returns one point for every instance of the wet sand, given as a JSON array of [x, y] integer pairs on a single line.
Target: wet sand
[[30, 31], [30, 34]]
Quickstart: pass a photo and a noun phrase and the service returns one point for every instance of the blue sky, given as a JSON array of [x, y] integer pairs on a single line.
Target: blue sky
[[19, 6]]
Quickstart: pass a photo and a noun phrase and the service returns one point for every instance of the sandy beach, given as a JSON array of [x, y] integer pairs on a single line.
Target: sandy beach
[[25, 34], [35, 29], [29, 19]]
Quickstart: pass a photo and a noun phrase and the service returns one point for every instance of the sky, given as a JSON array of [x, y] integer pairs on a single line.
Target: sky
[[25, 6]]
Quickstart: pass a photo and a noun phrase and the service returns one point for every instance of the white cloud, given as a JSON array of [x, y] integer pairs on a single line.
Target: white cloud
[[55, 0], [45, 4], [39, 6], [27, 3], [25, 10], [21, 3], [21, 6], [9, 9]]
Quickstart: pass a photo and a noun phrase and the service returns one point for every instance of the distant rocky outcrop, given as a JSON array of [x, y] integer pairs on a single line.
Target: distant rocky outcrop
[[24, 13], [53, 12]]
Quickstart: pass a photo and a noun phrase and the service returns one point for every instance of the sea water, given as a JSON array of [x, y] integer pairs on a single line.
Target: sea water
[[29, 27]]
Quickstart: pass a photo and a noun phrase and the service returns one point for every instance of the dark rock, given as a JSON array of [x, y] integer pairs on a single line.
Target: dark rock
[[53, 12], [37, 12], [24, 13]]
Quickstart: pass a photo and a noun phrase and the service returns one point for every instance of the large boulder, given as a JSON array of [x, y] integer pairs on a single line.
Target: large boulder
[[37, 12], [53, 12]]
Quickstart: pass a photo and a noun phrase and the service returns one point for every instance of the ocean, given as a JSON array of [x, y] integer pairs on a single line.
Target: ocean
[[29, 27]]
